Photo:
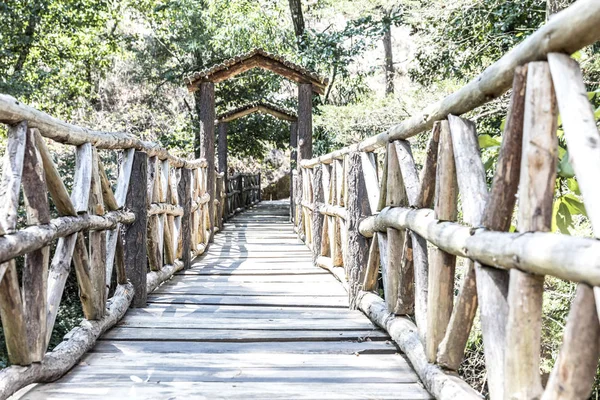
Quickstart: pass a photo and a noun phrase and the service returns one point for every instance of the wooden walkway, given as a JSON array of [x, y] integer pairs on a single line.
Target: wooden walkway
[[253, 319]]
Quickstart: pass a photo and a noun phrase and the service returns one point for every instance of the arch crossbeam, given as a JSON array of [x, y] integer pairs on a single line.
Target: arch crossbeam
[[257, 58]]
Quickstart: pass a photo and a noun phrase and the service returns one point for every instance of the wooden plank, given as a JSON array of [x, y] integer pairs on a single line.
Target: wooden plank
[[239, 336], [536, 190], [285, 323], [225, 390], [305, 347], [303, 301], [12, 168]]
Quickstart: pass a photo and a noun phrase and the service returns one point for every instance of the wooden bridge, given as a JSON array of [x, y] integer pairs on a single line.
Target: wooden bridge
[[192, 287], [252, 318]]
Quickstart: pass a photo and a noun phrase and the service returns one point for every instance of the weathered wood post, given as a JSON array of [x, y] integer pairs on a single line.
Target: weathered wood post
[[358, 207], [222, 152], [536, 191], [185, 197], [136, 252], [293, 159], [207, 143], [304, 133], [317, 217]]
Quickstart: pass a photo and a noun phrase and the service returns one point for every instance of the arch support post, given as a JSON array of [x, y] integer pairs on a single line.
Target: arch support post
[[293, 160], [304, 136], [207, 144]]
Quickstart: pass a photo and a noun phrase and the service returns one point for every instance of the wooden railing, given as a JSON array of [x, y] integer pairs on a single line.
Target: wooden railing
[[243, 191], [369, 211], [124, 238]]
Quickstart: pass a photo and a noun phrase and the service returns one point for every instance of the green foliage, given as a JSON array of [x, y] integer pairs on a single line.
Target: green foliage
[[54, 51], [462, 38]]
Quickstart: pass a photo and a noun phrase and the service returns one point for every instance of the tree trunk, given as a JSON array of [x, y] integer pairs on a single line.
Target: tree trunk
[[389, 60], [298, 20]]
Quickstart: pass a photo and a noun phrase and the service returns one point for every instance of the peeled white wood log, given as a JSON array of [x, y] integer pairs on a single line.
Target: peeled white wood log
[[440, 296], [566, 257], [124, 176], [492, 283], [372, 272], [13, 111], [568, 31], [64, 356], [107, 193], [404, 333], [163, 208], [473, 190], [155, 278], [536, 192], [35, 270], [57, 277], [56, 187], [12, 168], [97, 243], [35, 237], [574, 372], [83, 177], [398, 285], [369, 167], [13, 321], [419, 245]]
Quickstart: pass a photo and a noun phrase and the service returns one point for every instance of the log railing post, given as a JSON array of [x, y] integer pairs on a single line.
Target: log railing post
[[317, 217], [136, 253], [185, 198], [358, 207], [536, 191], [207, 143], [293, 161], [441, 264]]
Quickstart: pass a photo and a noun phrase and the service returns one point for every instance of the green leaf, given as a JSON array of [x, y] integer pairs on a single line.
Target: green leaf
[[573, 186], [575, 206], [561, 219], [565, 169], [486, 141]]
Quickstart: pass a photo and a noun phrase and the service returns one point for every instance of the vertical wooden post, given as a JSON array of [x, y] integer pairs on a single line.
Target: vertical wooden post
[[35, 270], [185, 197], [11, 312], [207, 144], [358, 207], [442, 264], [536, 191], [222, 151], [293, 160], [136, 252], [492, 283], [304, 121], [317, 217]]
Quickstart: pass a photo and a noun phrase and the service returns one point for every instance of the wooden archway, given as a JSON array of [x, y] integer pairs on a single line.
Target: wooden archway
[[248, 109], [204, 81]]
